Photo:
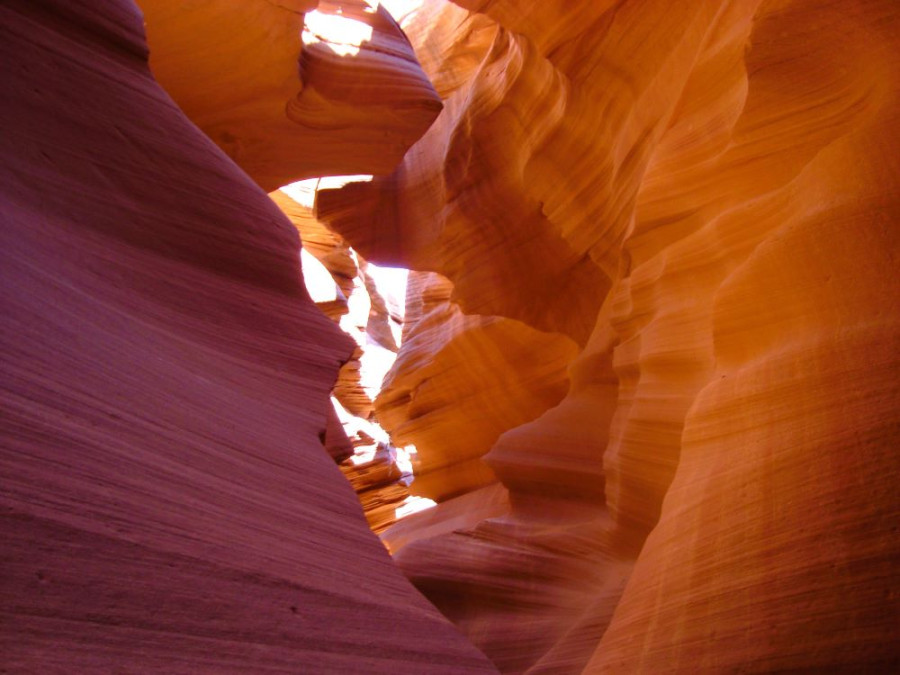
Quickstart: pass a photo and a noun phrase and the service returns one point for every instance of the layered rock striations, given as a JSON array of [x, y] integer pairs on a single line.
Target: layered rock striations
[[166, 502], [341, 89], [703, 197], [460, 381], [649, 360]]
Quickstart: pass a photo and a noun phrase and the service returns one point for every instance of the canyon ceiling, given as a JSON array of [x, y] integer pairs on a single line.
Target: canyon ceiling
[[651, 343]]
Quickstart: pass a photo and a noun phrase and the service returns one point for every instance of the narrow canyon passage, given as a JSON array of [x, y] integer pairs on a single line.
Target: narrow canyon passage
[[628, 402], [369, 305]]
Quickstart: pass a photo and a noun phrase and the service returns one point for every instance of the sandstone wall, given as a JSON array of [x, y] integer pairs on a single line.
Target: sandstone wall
[[687, 211], [166, 502], [704, 197], [460, 381], [341, 90]]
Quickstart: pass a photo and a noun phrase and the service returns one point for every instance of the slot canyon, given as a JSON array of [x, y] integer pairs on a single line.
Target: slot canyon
[[638, 403]]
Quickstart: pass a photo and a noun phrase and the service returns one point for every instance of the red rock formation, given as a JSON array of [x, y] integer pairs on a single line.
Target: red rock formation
[[777, 542], [351, 101], [166, 504], [704, 195], [327, 249]]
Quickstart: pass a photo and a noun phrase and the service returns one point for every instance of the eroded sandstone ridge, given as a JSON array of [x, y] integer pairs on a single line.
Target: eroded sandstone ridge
[[166, 503], [347, 98], [704, 197]]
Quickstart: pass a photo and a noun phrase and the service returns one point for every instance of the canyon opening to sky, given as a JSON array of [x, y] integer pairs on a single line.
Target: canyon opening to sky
[[592, 366]]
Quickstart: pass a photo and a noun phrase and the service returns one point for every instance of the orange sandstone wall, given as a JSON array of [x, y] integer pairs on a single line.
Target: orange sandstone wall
[[460, 381], [704, 197], [287, 101], [166, 504]]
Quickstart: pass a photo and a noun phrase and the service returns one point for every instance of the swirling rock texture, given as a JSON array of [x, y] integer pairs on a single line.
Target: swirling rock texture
[[166, 503], [442, 397], [686, 211], [350, 101], [704, 197]]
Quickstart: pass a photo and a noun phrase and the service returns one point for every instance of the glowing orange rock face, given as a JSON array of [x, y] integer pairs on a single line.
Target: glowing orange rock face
[[442, 397], [340, 93], [704, 196]]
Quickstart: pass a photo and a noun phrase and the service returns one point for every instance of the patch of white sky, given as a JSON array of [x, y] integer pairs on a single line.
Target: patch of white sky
[[389, 281], [343, 34]]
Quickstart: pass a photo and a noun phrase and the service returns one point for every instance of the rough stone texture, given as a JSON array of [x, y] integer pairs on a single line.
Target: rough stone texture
[[704, 196], [166, 503], [351, 101]]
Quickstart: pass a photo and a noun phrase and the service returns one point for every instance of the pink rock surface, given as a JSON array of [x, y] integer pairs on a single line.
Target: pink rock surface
[[166, 503]]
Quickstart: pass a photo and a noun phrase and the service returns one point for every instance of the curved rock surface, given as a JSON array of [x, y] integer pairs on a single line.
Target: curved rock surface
[[166, 503], [459, 381], [713, 191], [687, 211], [349, 98]]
